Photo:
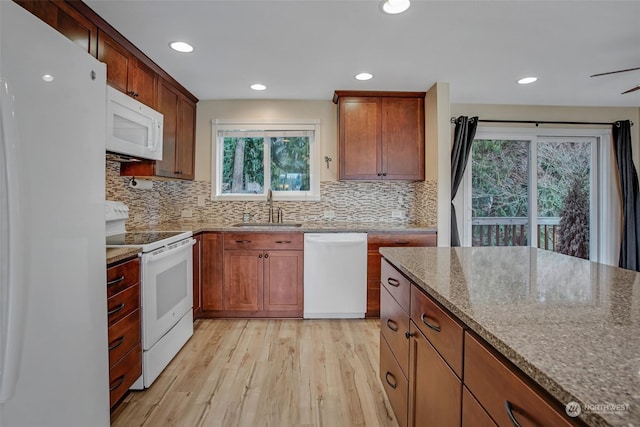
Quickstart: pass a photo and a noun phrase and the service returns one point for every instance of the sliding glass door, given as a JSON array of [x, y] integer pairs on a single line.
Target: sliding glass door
[[523, 189]]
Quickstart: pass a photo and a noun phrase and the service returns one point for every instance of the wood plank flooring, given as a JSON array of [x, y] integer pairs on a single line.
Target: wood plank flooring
[[259, 373]]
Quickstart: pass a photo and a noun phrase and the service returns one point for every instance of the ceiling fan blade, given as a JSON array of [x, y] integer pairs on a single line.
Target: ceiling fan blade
[[615, 72], [633, 89]]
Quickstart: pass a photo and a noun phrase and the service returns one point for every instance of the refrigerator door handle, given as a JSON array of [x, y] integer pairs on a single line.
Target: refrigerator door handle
[[13, 292]]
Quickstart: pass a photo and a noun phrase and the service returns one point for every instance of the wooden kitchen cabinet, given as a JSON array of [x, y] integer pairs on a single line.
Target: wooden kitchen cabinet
[[375, 241], [178, 138], [263, 275], [494, 382], [211, 262], [63, 17], [435, 392], [454, 377], [126, 72], [124, 327], [381, 135], [197, 282]]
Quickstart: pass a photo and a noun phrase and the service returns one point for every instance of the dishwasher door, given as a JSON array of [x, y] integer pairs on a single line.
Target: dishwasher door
[[335, 275]]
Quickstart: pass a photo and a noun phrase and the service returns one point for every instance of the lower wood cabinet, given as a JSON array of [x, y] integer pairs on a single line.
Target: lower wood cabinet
[[375, 241], [124, 327], [252, 274], [454, 377], [197, 282], [435, 392]]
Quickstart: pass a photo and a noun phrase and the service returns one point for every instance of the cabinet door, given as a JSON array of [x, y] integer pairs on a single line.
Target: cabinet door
[[168, 106], [66, 20], [143, 83], [360, 140], [117, 59], [197, 285], [403, 138], [186, 141], [243, 278], [211, 279], [435, 393], [283, 280]]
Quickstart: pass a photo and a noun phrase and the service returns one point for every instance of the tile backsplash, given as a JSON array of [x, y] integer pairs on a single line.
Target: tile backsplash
[[367, 201]]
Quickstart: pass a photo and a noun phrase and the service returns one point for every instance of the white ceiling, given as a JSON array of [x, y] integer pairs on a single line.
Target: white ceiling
[[306, 49]]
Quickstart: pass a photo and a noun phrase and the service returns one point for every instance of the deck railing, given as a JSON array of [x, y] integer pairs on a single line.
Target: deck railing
[[512, 231]]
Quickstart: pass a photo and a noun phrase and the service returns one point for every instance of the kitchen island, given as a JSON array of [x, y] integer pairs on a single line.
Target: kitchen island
[[569, 325]]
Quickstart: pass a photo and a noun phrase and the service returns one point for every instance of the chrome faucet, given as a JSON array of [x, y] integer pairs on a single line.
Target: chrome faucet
[[270, 203]]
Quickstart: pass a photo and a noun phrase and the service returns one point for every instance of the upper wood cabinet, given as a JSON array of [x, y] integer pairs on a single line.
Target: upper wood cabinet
[[127, 73], [381, 135], [178, 142], [67, 20]]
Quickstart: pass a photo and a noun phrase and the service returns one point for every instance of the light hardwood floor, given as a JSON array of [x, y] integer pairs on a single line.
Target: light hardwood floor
[[254, 373]]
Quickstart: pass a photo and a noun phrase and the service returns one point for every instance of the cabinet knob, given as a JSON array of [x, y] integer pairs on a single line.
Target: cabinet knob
[[384, 174], [408, 334], [266, 256], [260, 256], [379, 174]]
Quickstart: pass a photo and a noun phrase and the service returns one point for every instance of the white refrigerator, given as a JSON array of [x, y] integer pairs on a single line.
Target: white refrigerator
[[53, 320]]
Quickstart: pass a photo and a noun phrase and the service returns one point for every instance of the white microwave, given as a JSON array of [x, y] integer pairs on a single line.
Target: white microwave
[[133, 128]]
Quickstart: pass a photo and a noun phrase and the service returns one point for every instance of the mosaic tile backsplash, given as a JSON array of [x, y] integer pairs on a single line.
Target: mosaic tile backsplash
[[366, 201]]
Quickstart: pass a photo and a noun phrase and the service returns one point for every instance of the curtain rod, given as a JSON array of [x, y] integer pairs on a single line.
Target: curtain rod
[[541, 122]]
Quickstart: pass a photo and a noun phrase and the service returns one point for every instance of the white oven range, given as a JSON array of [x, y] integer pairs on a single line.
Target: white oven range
[[166, 287]]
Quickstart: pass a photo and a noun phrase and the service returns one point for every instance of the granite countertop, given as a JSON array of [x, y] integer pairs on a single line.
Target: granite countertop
[[120, 254], [306, 227], [570, 324]]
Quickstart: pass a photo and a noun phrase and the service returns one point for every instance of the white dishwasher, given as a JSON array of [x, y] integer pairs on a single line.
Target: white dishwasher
[[335, 275]]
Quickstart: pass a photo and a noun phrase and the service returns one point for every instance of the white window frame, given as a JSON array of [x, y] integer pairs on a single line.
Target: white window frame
[[605, 199], [217, 149]]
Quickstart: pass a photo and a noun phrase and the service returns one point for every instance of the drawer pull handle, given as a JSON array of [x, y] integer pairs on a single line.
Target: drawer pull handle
[[507, 407], [118, 342], [243, 241], [401, 242], [391, 324], [430, 325], [118, 382], [393, 384], [283, 241], [393, 282], [114, 281], [115, 310]]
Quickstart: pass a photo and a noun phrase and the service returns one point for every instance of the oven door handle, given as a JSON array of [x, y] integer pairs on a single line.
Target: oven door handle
[[153, 257]]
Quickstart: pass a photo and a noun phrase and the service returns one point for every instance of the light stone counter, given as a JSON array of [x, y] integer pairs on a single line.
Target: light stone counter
[[306, 227], [120, 254], [571, 325]]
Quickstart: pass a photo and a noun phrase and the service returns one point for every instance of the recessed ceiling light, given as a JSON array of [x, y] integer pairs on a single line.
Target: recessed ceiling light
[[527, 80], [393, 7], [258, 86], [181, 47], [364, 76], [47, 78]]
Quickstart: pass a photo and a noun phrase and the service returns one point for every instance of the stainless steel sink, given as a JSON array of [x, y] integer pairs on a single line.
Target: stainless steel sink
[[268, 224]]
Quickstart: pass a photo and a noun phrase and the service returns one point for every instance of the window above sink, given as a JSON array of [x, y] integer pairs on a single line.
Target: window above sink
[[250, 158]]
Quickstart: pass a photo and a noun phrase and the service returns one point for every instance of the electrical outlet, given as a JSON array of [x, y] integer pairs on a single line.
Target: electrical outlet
[[329, 214], [186, 213], [396, 213], [201, 201]]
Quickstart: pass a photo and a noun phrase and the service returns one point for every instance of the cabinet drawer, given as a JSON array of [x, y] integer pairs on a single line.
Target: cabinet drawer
[[394, 323], [123, 303], [284, 241], [377, 241], [395, 384], [397, 285], [473, 414], [496, 385], [121, 276], [123, 336], [124, 373], [445, 333]]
